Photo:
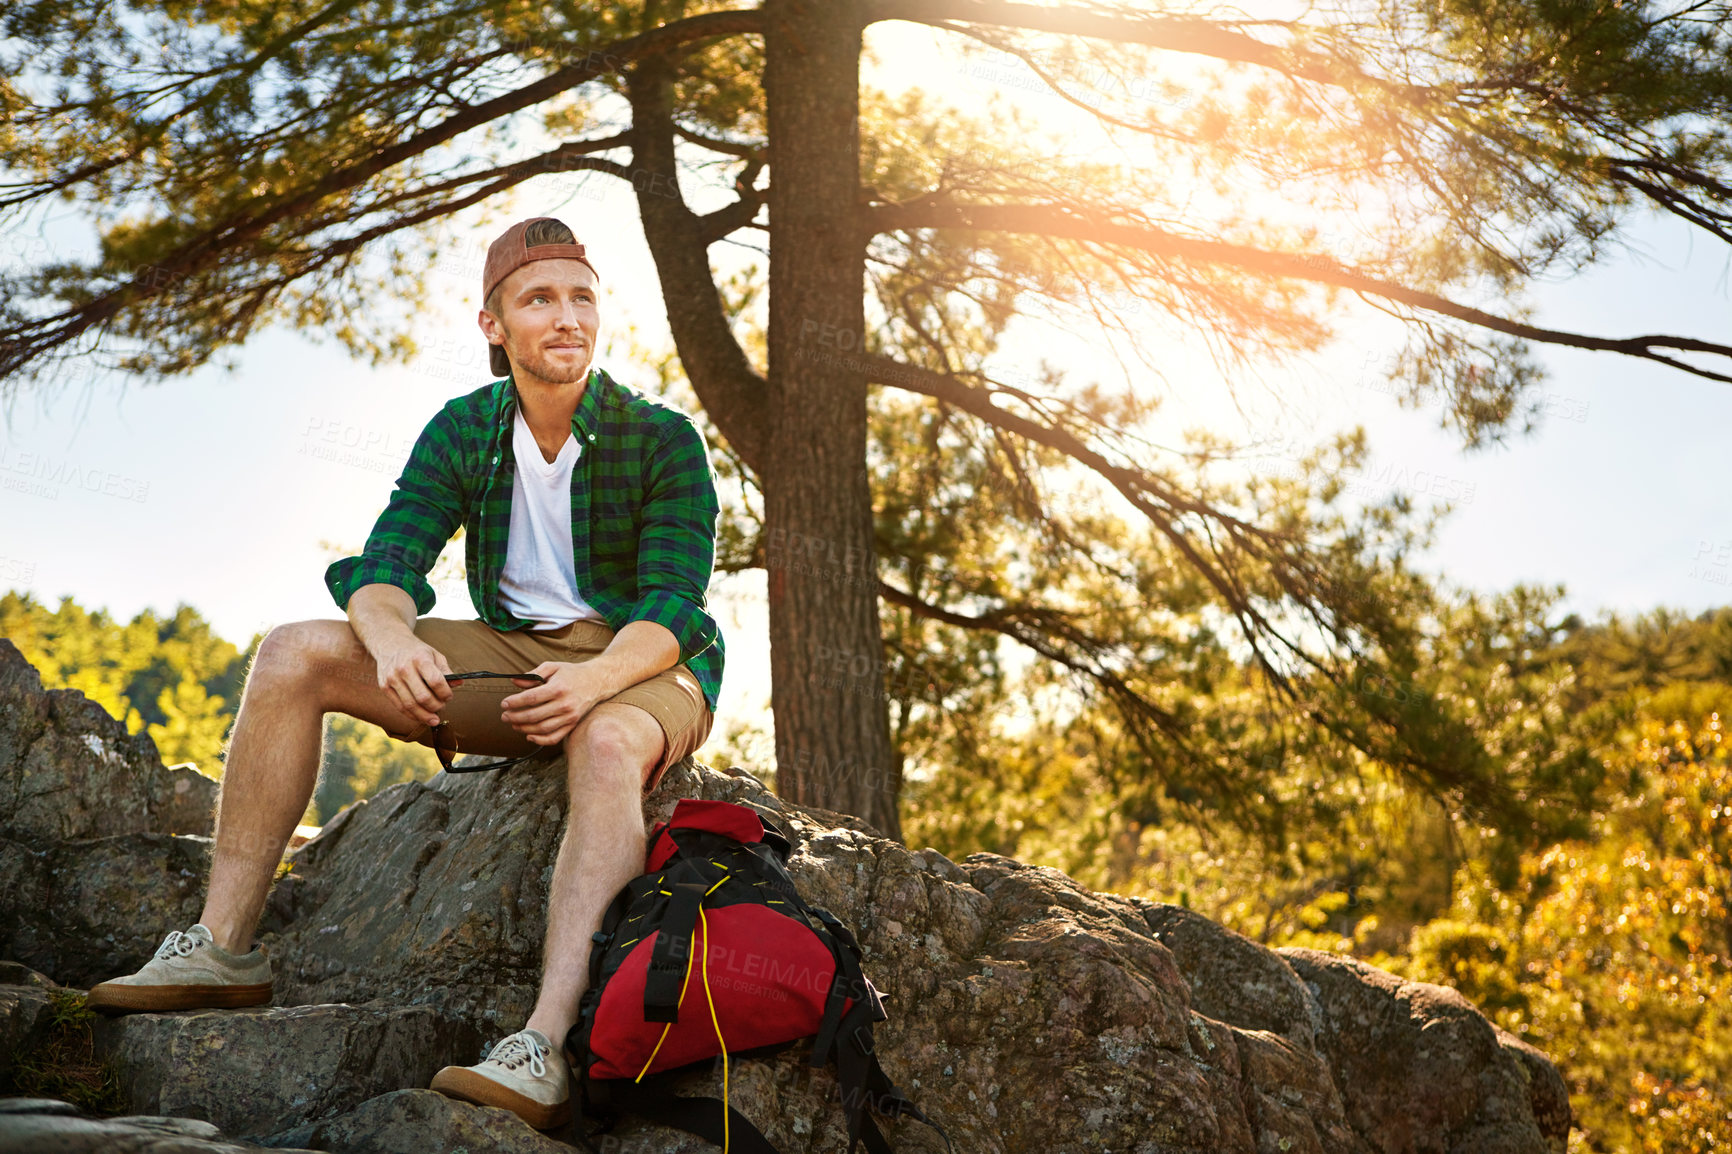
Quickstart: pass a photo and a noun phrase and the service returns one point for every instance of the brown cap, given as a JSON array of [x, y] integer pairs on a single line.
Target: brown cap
[[510, 253]]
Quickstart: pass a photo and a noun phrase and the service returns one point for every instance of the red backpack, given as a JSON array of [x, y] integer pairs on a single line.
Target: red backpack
[[711, 956]]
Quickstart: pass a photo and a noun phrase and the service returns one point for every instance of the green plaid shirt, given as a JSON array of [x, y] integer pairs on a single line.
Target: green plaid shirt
[[643, 515]]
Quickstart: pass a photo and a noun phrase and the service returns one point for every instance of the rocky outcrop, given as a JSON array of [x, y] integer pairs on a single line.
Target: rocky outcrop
[[1027, 1012], [419, 1121], [100, 846], [1234, 979], [87, 910], [69, 770], [264, 1071], [1415, 1060], [24, 1013]]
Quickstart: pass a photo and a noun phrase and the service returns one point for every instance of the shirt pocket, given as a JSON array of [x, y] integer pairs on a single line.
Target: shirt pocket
[[616, 521]]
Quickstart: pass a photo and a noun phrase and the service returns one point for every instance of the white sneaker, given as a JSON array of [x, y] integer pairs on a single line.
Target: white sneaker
[[524, 1073], [189, 972]]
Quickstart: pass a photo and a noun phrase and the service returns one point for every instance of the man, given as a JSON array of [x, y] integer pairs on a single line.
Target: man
[[590, 514]]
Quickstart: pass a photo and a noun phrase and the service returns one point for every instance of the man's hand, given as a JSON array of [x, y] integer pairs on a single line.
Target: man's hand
[[546, 713], [413, 672]]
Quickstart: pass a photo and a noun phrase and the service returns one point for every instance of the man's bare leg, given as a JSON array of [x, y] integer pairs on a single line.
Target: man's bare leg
[[301, 672], [609, 756]]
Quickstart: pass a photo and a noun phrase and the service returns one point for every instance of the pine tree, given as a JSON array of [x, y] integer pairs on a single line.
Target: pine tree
[[286, 163]]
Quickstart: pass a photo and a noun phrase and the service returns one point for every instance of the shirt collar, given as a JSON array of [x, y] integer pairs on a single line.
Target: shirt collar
[[585, 422]]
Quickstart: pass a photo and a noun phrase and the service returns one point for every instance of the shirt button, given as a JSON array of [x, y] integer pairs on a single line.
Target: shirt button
[[592, 436]]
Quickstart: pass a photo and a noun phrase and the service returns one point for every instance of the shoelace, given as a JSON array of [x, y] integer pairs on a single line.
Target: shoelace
[[177, 944], [511, 1052]]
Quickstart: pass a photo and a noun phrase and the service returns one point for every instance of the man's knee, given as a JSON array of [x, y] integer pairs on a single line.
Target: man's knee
[[615, 738], [308, 652]]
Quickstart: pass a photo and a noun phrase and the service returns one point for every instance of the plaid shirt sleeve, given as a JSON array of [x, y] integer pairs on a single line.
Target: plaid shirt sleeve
[[424, 511], [677, 548]]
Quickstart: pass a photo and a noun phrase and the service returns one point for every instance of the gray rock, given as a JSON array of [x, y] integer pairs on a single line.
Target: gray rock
[[185, 802], [1420, 1069], [19, 974], [258, 1072], [1027, 1013], [44, 1126], [1548, 1093], [84, 911], [1232, 978], [436, 892], [69, 770], [52, 1106], [23, 1023], [421, 1122], [1291, 1101], [70, 774]]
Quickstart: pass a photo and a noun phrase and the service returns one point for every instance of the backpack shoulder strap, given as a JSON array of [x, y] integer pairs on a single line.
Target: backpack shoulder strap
[[776, 838], [863, 1081]]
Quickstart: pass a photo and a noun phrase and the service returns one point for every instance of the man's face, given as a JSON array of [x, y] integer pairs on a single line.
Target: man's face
[[547, 320]]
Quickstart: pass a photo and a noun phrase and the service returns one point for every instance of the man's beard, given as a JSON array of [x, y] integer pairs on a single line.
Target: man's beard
[[534, 361]]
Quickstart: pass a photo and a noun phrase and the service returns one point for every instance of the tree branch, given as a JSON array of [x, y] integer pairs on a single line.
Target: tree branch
[[727, 147], [1060, 221], [1052, 635], [729, 387], [27, 342], [1705, 216], [1036, 627], [1161, 504], [1177, 34], [713, 226], [572, 156]]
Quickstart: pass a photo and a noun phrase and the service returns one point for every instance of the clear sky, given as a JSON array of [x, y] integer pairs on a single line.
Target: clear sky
[[222, 489]]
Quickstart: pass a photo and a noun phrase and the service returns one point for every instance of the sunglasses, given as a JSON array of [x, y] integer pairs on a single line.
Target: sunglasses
[[448, 756]]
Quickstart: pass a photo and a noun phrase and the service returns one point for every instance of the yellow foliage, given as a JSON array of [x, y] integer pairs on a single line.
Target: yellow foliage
[[1614, 956]]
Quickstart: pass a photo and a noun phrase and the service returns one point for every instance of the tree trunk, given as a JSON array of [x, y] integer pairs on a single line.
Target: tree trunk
[[826, 653], [721, 375]]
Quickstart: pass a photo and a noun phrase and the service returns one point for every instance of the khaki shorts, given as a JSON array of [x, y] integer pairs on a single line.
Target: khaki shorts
[[472, 722]]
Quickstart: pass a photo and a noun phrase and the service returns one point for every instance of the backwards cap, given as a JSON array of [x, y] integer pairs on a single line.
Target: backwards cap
[[511, 252]]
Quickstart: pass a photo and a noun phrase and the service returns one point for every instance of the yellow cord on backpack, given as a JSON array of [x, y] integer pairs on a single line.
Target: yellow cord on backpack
[[717, 1025], [670, 1025], [704, 927]]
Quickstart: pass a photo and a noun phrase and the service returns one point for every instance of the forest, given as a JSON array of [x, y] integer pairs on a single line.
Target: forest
[[1600, 931]]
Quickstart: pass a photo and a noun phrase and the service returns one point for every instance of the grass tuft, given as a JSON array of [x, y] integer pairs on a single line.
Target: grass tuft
[[64, 1064]]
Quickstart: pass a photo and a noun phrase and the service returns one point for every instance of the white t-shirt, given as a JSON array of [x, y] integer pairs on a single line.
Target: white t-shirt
[[539, 583]]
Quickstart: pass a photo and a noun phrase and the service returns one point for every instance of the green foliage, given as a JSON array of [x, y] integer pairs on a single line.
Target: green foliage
[[1145, 732], [178, 679], [189, 114], [254, 163], [1057, 793], [172, 677], [1647, 652], [360, 760]]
